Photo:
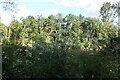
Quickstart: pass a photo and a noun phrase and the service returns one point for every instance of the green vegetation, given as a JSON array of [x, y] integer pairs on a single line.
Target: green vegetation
[[57, 47]]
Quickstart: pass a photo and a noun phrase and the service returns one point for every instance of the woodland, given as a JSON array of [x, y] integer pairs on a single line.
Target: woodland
[[62, 47]]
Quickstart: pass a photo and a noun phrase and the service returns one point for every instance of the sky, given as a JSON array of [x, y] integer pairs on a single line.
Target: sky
[[88, 8]]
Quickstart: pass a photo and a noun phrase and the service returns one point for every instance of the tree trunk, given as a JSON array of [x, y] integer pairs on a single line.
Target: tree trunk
[[119, 18]]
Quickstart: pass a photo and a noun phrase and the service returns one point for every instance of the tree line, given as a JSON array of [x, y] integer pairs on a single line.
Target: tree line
[[71, 31]]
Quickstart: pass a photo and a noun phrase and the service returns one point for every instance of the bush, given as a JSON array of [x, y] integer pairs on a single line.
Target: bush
[[53, 62]]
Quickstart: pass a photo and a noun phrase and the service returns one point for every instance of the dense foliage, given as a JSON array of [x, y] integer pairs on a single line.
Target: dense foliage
[[56, 46]]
